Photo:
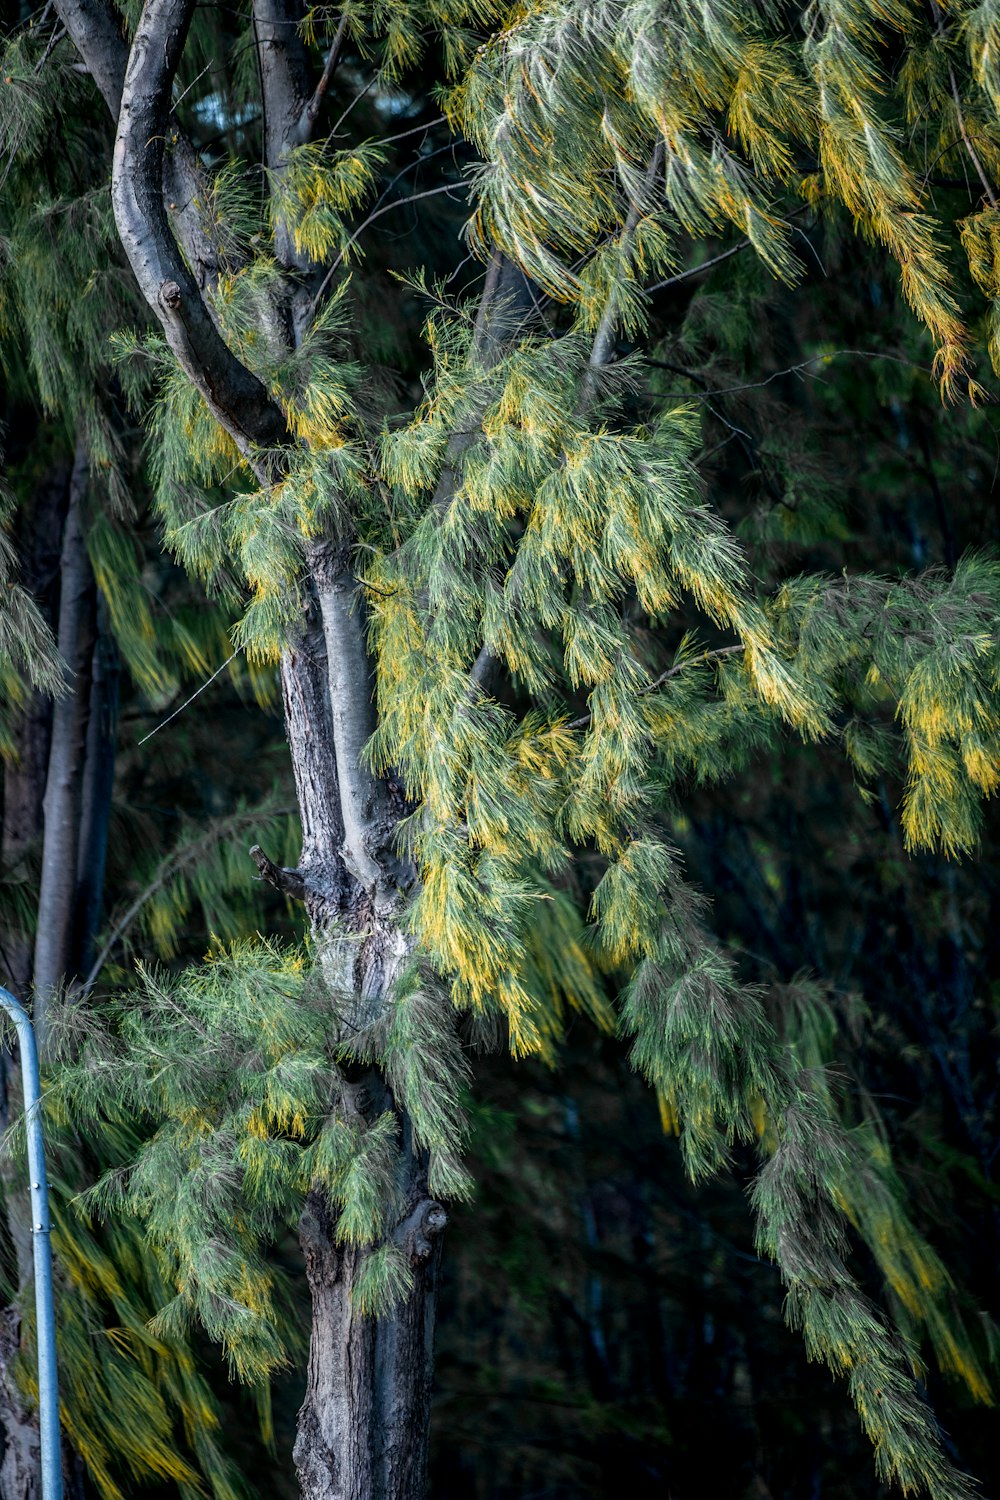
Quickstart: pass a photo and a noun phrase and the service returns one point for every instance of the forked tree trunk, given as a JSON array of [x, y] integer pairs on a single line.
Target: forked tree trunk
[[364, 1425]]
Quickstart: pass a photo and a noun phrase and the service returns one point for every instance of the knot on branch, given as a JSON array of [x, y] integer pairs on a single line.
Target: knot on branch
[[329, 564], [418, 1231], [170, 294], [289, 882]]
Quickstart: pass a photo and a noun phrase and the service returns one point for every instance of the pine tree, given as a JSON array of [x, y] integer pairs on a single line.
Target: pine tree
[[511, 627]]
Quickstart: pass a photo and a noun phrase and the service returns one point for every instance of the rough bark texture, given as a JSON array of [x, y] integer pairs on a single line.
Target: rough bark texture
[[20, 1455], [364, 1425], [20, 1467], [327, 889]]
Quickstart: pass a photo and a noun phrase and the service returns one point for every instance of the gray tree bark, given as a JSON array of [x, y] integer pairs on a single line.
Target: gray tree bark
[[63, 789], [364, 1426]]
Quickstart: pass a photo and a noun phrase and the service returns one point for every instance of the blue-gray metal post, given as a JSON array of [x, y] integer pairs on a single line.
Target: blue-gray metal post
[[48, 1382]]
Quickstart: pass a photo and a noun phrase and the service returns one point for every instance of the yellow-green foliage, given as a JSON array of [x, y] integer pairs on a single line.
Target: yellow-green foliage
[[316, 191], [133, 1403], [217, 1099]]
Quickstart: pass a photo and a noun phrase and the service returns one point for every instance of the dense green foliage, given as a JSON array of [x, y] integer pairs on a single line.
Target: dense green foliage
[[617, 561]]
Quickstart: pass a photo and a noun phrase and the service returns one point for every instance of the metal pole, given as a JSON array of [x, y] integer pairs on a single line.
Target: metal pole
[[48, 1383]]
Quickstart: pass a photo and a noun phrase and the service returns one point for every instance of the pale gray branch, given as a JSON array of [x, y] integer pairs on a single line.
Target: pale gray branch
[[368, 821]]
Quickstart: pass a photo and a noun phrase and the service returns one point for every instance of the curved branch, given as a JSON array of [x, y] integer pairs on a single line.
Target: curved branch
[[311, 112], [189, 854], [233, 393], [95, 32]]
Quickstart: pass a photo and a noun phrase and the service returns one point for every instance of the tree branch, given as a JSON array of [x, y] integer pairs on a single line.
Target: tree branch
[[487, 664], [233, 393], [416, 1234], [96, 35], [311, 111], [94, 30], [970, 149], [289, 882], [284, 82], [189, 854], [368, 822], [706, 265], [607, 330], [799, 369], [444, 187]]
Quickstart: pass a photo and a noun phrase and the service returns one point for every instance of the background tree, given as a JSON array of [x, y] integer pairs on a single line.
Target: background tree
[[534, 552]]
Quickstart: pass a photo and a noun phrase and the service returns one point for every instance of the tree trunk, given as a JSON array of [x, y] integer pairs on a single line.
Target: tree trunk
[[38, 533], [24, 780], [20, 1467], [364, 1425], [50, 575], [63, 788]]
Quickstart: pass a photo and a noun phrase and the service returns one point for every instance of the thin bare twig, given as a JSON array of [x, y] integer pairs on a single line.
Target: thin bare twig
[[188, 855], [971, 151], [194, 695], [693, 661], [356, 100], [806, 364], [446, 187], [706, 265]]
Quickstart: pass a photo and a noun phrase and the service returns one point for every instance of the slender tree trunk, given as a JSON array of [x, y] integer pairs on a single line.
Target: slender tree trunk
[[63, 788], [38, 535], [25, 784], [23, 791]]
